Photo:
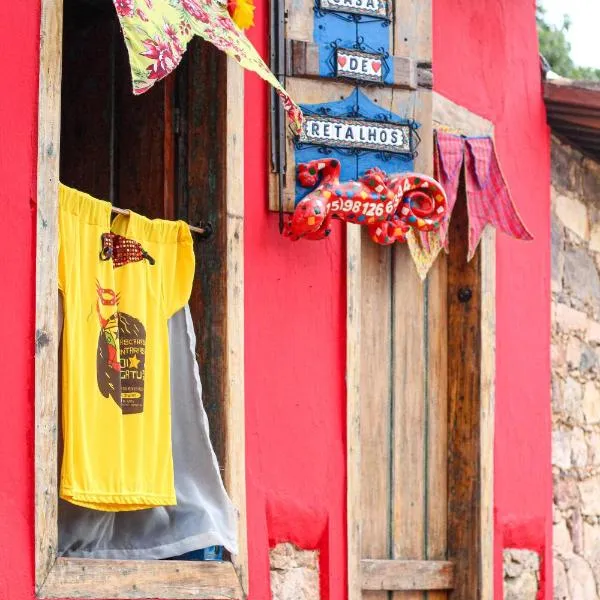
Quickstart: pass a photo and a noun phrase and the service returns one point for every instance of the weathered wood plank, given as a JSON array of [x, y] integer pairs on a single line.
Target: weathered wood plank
[[408, 417], [354, 415], [375, 406], [235, 476], [464, 397], [410, 426], [437, 415], [46, 298], [93, 578], [204, 199], [407, 575], [461, 120], [412, 31]]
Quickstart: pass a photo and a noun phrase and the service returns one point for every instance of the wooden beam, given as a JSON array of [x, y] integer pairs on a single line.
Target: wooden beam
[[407, 575], [235, 412], [118, 579], [46, 295], [471, 368]]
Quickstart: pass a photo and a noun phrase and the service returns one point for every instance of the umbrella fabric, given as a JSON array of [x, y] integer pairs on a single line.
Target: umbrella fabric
[[157, 33]]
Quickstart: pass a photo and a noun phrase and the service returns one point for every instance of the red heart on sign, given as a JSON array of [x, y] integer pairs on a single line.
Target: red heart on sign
[[376, 64], [342, 60]]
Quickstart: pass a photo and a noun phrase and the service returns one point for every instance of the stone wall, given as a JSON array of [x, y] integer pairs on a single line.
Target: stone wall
[[576, 373], [521, 574], [294, 573]]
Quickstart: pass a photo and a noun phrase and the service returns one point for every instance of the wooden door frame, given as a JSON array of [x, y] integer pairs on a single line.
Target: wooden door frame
[[57, 577], [400, 575]]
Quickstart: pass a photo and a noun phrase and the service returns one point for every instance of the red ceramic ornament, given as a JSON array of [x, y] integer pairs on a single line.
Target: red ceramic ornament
[[387, 205]]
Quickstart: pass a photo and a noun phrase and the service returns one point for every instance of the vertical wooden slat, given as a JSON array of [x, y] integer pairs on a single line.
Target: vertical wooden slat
[[235, 417], [46, 298], [413, 29], [464, 359], [408, 418], [410, 427], [436, 375], [375, 413], [437, 421], [206, 189]]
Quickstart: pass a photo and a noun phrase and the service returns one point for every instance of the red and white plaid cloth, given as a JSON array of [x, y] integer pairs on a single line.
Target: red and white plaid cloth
[[488, 198]]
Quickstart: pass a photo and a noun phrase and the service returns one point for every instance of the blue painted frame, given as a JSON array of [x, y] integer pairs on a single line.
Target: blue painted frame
[[355, 161]]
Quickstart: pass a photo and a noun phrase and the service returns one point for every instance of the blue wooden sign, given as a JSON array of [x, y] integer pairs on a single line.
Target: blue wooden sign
[[360, 134]]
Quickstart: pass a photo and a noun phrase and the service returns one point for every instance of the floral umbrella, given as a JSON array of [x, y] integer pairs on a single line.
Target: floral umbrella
[[157, 33]]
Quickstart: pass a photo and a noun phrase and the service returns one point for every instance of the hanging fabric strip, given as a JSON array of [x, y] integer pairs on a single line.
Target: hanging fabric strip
[[488, 197], [448, 161], [157, 33], [424, 247]]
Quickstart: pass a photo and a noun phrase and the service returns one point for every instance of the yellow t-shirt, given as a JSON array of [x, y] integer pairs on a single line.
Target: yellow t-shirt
[[116, 407]]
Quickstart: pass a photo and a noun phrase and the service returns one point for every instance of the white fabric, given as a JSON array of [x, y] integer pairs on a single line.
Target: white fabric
[[204, 515]]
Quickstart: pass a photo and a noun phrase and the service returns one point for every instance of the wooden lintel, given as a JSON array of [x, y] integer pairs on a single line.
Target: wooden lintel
[[406, 575], [303, 61], [94, 578]]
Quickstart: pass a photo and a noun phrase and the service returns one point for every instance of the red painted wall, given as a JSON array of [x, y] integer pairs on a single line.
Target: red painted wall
[[19, 40], [295, 393], [485, 57]]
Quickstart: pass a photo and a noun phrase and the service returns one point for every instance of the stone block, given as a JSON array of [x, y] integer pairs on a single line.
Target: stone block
[[521, 574], [566, 493], [573, 214], [561, 588], [593, 332], [568, 319], [579, 449], [575, 526], [558, 254], [565, 172], [558, 355], [581, 277], [591, 541], [589, 489], [574, 350], [590, 181], [294, 573], [571, 402], [561, 449], [593, 442], [591, 403], [588, 360], [561, 540], [595, 238], [580, 579]]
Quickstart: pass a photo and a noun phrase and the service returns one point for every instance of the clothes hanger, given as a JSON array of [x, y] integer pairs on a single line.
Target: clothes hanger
[[203, 232]]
